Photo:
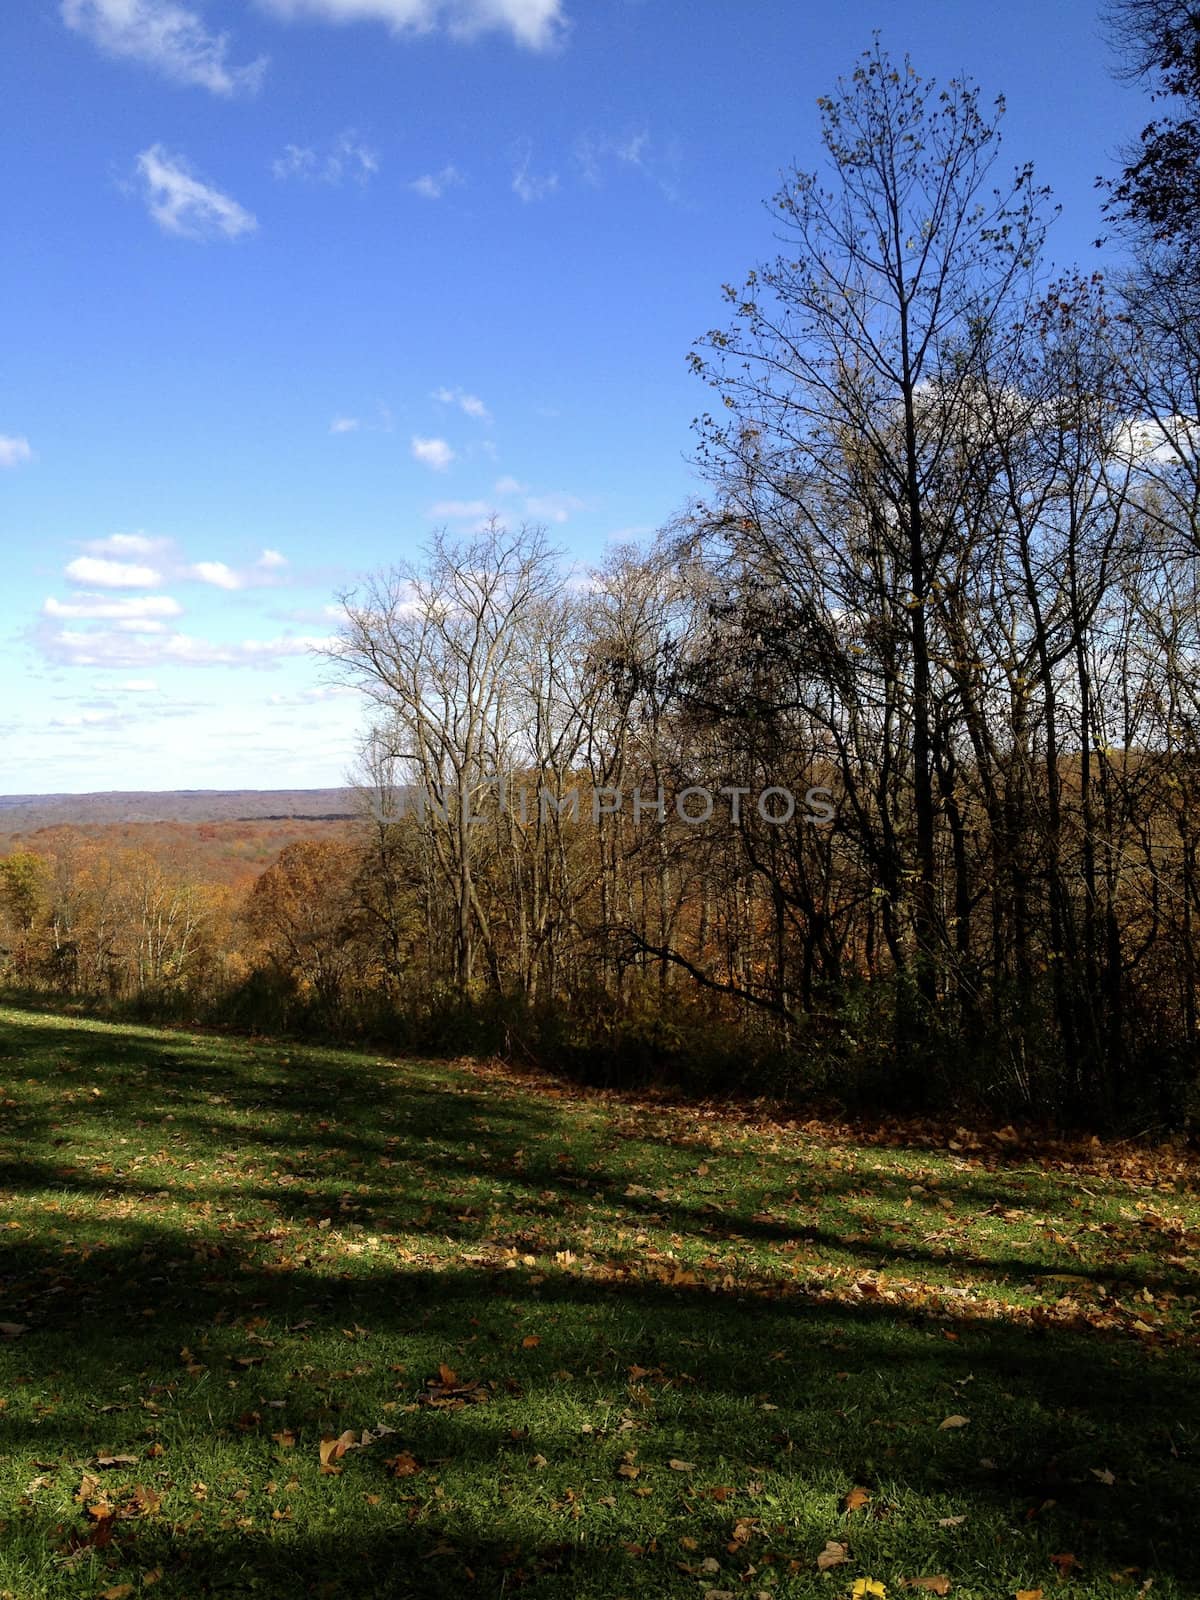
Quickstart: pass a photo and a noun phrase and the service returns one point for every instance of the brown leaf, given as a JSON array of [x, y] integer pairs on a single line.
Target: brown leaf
[[681, 1466], [834, 1554], [856, 1499], [403, 1465], [1065, 1563], [13, 1330], [332, 1450], [285, 1439], [116, 1461], [951, 1522], [530, 1342], [939, 1584], [448, 1376], [1029, 1594], [119, 1591], [954, 1422]]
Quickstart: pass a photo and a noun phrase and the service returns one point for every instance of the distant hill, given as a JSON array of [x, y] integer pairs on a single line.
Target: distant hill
[[23, 813]]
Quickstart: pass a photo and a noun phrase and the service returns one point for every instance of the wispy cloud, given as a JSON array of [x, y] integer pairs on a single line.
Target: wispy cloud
[[433, 185], [553, 507], [182, 204], [263, 574], [345, 425], [127, 544], [534, 24], [96, 572], [470, 404], [598, 154], [435, 453], [114, 648], [527, 185], [346, 158], [103, 608], [15, 451], [459, 510], [166, 36]]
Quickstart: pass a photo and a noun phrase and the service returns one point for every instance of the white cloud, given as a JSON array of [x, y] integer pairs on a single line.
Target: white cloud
[[552, 507], [527, 186], [456, 510], [347, 157], [433, 185], [265, 573], [126, 544], [507, 486], [470, 404], [535, 24], [99, 608], [1164, 441], [596, 153], [118, 648], [345, 425], [216, 573], [166, 36], [14, 451], [98, 573], [435, 453], [181, 204]]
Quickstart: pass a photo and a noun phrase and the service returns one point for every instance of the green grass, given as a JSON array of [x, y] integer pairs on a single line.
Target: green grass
[[224, 1252]]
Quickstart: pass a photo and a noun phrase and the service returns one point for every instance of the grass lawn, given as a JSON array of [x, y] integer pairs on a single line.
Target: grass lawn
[[569, 1344]]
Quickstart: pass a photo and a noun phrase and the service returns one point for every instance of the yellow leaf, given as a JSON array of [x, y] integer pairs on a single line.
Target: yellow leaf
[[868, 1586], [954, 1422]]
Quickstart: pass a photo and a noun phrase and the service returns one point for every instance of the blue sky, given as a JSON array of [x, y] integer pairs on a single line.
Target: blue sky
[[288, 283]]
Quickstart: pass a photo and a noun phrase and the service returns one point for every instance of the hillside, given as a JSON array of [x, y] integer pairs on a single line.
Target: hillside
[[23, 813], [293, 1321]]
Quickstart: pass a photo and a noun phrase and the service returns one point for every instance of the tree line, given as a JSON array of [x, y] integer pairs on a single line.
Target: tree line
[[940, 597]]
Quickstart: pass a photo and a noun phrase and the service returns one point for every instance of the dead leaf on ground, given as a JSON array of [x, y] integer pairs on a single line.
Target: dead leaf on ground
[[954, 1422], [834, 1554], [856, 1499], [13, 1330], [681, 1466], [938, 1584], [332, 1450], [403, 1465]]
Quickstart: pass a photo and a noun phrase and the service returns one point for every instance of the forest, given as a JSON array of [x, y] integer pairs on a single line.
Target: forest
[[875, 776]]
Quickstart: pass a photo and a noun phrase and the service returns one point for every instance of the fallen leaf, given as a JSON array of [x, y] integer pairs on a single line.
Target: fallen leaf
[[868, 1586], [119, 1591], [1029, 1594], [833, 1555], [1103, 1475], [856, 1499], [951, 1522], [116, 1461], [939, 1584], [285, 1439], [530, 1342], [954, 1422], [681, 1466], [332, 1450], [13, 1330], [403, 1465], [1065, 1563]]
